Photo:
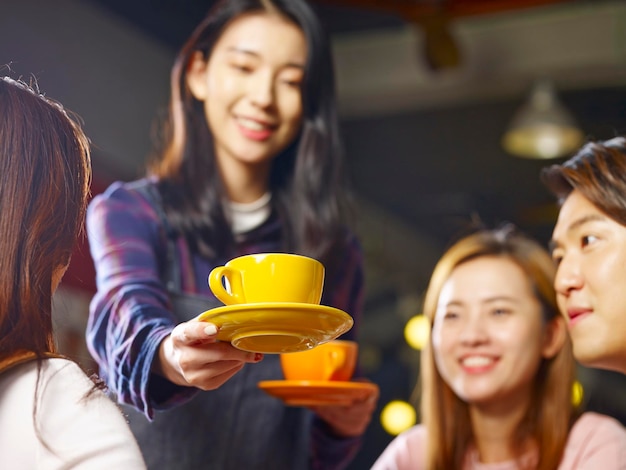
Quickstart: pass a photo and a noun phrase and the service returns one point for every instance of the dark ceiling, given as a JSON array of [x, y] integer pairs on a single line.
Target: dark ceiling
[[171, 21]]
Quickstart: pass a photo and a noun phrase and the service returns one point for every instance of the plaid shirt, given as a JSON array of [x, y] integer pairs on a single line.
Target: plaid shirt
[[131, 312]]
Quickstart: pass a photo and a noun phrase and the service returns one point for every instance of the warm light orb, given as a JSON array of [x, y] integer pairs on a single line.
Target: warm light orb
[[397, 416], [577, 393], [416, 331], [542, 127]]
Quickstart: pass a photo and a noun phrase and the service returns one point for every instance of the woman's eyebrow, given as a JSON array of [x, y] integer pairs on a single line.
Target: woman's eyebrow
[[243, 50]]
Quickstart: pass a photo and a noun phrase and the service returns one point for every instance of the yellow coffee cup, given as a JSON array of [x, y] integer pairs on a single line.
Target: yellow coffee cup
[[334, 360], [268, 277]]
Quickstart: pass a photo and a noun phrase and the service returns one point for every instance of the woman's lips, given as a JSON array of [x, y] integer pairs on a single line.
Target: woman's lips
[[255, 129], [477, 363]]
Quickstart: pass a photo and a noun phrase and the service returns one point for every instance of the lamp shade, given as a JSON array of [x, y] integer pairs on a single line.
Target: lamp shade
[[542, 128]]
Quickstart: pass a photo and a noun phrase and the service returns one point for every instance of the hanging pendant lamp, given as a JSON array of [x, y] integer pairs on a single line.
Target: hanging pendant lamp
[[542, 128]]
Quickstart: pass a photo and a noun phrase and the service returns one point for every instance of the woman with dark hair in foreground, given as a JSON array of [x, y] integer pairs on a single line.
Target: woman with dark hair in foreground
[[51, 414]]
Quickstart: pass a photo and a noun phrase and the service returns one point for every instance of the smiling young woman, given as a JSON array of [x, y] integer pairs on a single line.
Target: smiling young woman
[[251, 162]]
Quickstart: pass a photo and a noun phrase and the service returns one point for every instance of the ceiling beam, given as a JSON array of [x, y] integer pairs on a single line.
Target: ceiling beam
[[416, 10]]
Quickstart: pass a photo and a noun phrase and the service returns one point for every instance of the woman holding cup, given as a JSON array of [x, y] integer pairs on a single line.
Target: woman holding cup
[[251, 163]]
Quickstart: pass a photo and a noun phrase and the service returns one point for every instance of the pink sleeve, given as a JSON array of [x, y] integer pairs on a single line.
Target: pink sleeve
[[595, 442], [406, 452]]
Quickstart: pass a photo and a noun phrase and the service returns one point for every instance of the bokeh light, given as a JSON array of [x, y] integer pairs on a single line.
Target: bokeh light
[[416, 331], [577, 393], [397, 416]]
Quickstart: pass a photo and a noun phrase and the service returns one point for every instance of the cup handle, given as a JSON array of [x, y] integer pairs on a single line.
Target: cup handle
[[234, 280], [337, 359]]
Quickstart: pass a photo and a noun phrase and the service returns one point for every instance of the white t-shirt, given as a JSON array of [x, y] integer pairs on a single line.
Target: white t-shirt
[[81, 432], [244, 217]]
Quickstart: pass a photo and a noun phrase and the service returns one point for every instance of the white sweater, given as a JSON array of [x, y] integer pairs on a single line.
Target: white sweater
[[80, 432]]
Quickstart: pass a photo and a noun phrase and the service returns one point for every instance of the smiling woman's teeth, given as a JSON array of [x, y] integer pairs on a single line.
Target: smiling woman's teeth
[[477, 361], [252, 125]]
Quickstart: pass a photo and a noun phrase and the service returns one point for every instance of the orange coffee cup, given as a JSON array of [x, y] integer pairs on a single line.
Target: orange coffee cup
[[335, 360]]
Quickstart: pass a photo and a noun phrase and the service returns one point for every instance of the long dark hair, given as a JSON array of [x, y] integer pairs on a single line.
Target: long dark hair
[[306, 180], [45, 174]]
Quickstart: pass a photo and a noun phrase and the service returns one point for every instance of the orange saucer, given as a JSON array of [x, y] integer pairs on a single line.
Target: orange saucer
[[317, 392]]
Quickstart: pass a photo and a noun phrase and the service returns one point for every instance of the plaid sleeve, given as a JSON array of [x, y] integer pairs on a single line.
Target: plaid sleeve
[[129, 315]]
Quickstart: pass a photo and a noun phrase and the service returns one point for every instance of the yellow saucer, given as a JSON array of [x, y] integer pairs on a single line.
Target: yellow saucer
[[277, 327], [317, 392]]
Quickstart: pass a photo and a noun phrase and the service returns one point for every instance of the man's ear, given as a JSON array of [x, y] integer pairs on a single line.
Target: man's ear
[[554, 337], [196, 76]]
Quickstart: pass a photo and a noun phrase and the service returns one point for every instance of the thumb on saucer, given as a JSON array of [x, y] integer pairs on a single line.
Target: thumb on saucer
[[194, 332]]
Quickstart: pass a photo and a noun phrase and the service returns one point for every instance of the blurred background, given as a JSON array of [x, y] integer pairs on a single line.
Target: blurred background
[[449, 110]]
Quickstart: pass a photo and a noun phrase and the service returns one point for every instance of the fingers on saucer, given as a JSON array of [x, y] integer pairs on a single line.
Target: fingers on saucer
[[254, 357], [210, 329], [194, 332], [225, 351]]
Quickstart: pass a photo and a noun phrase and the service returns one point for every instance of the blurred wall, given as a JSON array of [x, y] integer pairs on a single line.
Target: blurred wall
[[114, 77]]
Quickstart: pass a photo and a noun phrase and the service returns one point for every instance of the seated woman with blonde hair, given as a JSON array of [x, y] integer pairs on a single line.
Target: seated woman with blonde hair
[[498, 372]]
